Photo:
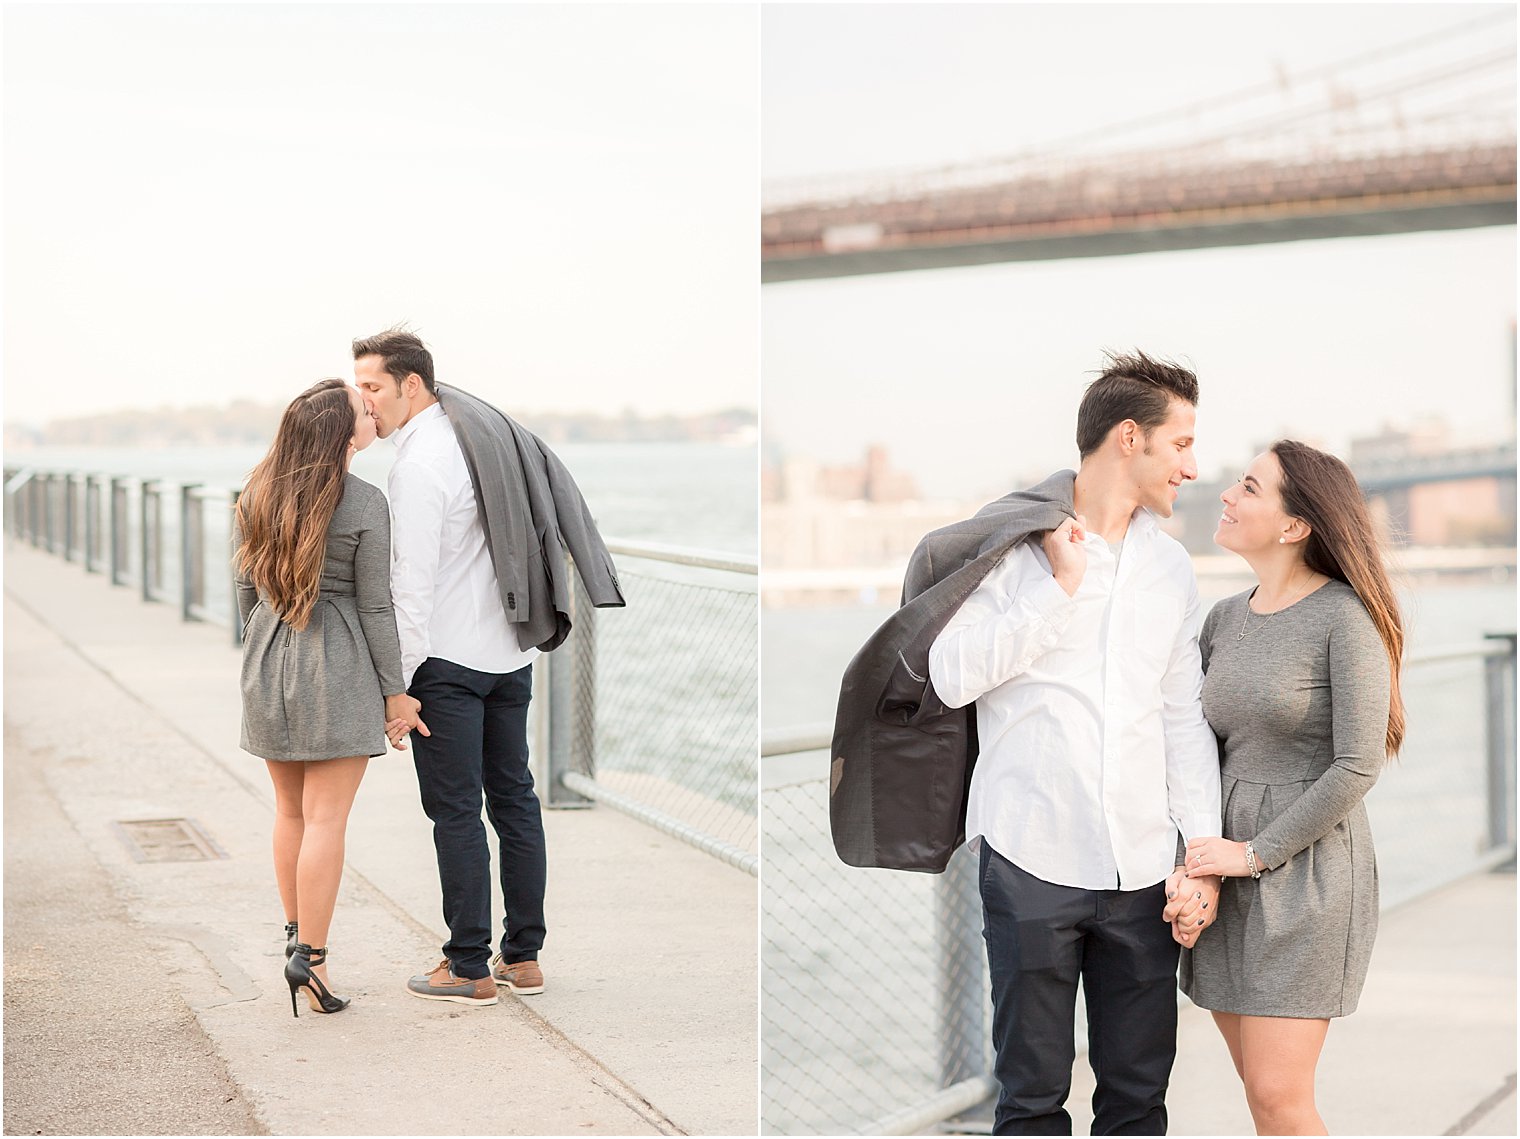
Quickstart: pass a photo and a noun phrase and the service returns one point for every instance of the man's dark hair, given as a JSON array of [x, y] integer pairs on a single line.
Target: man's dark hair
[[1131, 387], [401, 353]]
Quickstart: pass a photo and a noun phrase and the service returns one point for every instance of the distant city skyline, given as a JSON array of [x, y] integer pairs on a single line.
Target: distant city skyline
[[246, 422], [971, 377]]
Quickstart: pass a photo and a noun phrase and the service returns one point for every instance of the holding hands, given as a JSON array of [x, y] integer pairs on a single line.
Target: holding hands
[[1192, 903], [1219, 856], [402, 716]]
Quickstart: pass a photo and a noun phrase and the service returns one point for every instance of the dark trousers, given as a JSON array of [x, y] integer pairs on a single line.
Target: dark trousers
[[479, 744], [1040, 939]]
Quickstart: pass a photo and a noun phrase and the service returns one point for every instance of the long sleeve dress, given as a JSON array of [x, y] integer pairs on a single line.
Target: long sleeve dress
[[1300, 706], [318, 692]]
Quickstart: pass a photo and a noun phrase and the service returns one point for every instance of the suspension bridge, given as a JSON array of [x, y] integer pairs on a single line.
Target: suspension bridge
[[1418, 135]]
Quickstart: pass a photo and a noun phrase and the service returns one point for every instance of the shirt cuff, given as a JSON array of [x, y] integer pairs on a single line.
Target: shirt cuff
[[1199, 826]]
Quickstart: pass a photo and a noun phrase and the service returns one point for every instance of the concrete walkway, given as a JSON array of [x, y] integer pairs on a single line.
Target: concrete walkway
[[119, 711]]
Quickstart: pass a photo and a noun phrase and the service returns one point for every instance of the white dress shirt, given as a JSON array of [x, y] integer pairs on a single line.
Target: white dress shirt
[[442, 581], [1094, 749]]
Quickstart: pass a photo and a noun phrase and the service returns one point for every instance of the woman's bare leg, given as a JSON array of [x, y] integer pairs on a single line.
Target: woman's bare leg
[[1229, 1027], [328, 793], [1279, 1055], [288, 828]]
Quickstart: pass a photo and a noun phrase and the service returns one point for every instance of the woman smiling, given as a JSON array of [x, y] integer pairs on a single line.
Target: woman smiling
[[1302, 688]]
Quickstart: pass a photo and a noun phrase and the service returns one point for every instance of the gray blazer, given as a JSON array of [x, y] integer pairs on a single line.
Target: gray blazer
[[902, 761], [533, 513]]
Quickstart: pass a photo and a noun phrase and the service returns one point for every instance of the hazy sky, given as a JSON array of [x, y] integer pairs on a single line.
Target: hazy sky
[[972, 376], [207, 201]]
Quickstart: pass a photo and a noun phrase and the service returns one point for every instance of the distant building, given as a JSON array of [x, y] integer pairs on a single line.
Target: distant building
[[864, 516], [1437, 511], [800, 479]]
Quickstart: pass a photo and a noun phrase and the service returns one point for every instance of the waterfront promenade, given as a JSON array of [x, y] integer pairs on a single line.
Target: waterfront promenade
[[147, 997]]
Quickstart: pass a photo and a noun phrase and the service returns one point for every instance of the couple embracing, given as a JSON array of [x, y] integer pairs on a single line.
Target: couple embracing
[[1142, 791], [367, 620]]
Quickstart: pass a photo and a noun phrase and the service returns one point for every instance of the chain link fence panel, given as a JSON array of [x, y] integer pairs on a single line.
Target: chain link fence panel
[[854, 978], [668, 706], [866, 974], [1429, 807]]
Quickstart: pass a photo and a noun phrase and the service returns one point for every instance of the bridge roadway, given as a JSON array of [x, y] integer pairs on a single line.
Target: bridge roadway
[[1134, 204], [115, 709], [1448, 466]]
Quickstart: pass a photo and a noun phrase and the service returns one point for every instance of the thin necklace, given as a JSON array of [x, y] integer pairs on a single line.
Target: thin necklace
[[1244, 633]]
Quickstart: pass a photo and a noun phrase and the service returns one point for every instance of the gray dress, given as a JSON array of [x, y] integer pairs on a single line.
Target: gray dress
[[1300, 706], [316, 693]]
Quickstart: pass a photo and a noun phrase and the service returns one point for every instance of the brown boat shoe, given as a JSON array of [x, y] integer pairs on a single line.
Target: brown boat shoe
[[522, 977], [440, 984]]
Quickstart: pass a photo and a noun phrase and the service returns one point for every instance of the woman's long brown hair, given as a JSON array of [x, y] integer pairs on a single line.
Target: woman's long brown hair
[[289, 500], [1321, 490]]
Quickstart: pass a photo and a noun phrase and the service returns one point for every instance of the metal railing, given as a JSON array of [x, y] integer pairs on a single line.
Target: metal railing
[[874, 993], [662, 720], [650, 710]]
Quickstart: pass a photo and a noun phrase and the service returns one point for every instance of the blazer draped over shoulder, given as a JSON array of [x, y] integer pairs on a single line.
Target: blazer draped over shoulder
[[533, 513], [902, 760]]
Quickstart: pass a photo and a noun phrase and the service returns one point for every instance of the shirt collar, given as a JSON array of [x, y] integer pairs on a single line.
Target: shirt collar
[[403, 433], [1142, 521]]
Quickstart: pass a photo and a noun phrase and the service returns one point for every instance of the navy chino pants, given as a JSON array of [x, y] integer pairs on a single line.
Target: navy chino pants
[[1040, 939], [479, 746]]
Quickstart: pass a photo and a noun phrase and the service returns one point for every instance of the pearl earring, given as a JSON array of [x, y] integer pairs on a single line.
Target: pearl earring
[[1280, 541]]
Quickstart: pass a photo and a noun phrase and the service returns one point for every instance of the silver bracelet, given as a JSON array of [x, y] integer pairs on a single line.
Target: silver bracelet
[[1251, 861]]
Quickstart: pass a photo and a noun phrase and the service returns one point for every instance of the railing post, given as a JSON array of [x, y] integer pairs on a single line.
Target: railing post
[[190, 552], [70, 520], [563, 731], [18, 481], [960, 952], [30, 533], [50, 514], [1499, 677], [15, 504], [39, 510], [91, 523], [146, 498], [118, 530]]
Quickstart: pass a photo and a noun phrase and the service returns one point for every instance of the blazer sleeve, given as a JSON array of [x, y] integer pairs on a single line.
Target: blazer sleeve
[[372, 585]]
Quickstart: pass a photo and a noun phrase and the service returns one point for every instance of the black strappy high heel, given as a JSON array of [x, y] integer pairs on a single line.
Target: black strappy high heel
[[298, 975], [292, 938]]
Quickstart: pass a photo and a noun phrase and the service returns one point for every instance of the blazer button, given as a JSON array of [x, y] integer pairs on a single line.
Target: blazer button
[[511, 601]]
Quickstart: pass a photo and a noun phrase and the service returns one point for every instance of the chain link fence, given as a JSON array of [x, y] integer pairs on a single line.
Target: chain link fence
[[874, 994], [665, 720], [1433, 810], [851, 976], [661, 718]]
